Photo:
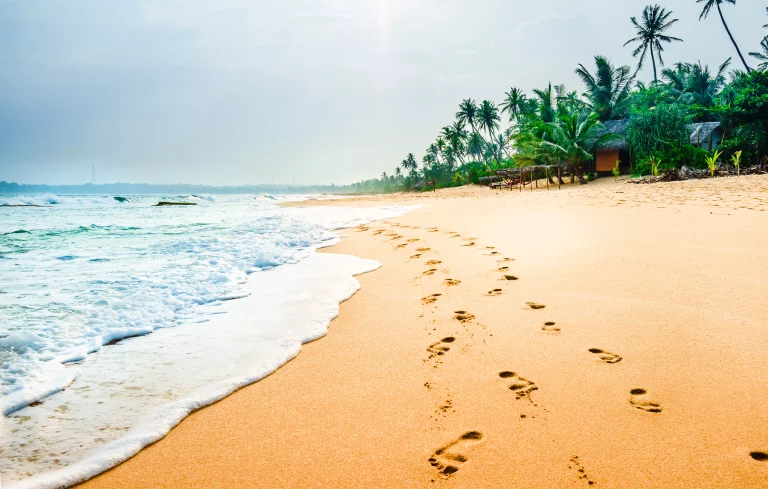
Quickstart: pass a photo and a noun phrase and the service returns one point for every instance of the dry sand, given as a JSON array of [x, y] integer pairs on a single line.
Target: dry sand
[[658, 288]]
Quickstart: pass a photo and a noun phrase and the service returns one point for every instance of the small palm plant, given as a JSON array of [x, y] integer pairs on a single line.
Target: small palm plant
[[736, 160], [712, 162], [654, 165], [616, 172]]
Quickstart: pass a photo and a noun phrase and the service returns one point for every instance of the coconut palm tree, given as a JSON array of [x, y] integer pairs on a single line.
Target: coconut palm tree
[[488, 118], [608, 90], [546, 103], [514, 104], [708, 4], [693, 83], [650, 36], [409, 164], [470, 114], [572, 138]]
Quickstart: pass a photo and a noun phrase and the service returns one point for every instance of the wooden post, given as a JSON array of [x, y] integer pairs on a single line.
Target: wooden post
[[531, 179], [558, 177], [520, 172], [546, 175]]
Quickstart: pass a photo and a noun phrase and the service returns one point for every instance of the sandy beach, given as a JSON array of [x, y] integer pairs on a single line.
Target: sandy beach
[[607, 335]]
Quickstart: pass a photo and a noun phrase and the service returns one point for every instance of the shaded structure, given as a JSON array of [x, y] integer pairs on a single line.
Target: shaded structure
[[610, 152]]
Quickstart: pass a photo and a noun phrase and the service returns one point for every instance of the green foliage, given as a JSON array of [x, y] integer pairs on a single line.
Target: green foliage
[[712, 162], [736, 160], [655, 131], [616, 172], [650, 35], [608, 89]]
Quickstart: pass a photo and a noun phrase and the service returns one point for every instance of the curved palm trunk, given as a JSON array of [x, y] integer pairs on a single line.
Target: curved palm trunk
[[653, 59], [482, 153], [749, 70]]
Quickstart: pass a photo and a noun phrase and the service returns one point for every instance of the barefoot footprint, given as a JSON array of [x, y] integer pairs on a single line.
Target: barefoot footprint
[[535, 306], [463, 316], [430, 299], [432, 263], [605, 356], [550, 327], [520, 386], [423, 250], [638, 400], [494, 292], [429, 272], [509, 277], [439, 348], [449, 459], [759, 456], [416, 256], [452, 283]]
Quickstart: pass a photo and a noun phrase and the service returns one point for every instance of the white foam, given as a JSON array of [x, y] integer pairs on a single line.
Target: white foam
[[158, 268]]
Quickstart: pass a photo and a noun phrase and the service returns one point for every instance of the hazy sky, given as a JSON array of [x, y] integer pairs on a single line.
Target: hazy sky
[[320, 91]]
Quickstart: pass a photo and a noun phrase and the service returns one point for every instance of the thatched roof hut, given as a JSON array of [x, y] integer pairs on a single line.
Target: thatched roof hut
[[706, 135], [617, 149]]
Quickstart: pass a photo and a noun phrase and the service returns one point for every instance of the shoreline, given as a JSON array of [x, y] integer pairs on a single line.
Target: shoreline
[[656, 297]]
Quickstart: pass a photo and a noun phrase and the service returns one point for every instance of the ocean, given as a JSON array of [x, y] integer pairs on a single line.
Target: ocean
[[119, 318]]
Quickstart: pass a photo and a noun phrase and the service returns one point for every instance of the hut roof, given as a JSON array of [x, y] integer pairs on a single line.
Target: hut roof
[[701, 131], [617, 127]]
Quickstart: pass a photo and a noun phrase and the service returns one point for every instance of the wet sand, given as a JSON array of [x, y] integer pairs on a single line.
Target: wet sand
[[607, 335]]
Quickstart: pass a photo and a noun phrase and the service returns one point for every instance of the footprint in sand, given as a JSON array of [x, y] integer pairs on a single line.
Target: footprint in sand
[[550, 327], [378, 232], [472, 243], [400, 246], [439, 348], [430, 299], [502, 269], [638, 399], [605, 356], [449, 459], [759, 456], [535, 306], [509, 277], [505, 260], [423, 250], [490, 247], [493, 253], [452, 282], [463, 316], [413, 240], [430, 272], [415, 257], [520, 386], [494, 292], [432, 263]]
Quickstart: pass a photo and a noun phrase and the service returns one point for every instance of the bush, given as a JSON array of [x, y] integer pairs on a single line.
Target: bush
[[674, 157]]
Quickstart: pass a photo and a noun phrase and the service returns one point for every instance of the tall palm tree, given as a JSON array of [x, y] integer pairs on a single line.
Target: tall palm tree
[[409, 164], [488, 118], [546, 103], [608, 90], [650, 35], [708, 4], [469, 114], [514, 104], [693, 83]]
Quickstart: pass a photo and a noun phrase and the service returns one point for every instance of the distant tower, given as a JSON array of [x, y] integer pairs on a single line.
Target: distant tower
[[93, 175]]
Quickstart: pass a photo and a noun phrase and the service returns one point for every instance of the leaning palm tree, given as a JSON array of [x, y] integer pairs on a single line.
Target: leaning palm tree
[[608, 90], [650, 36], [708, 4], [469, 114], [488, 118]]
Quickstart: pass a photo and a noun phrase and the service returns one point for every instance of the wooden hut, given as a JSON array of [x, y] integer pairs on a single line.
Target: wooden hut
[[610, 152]]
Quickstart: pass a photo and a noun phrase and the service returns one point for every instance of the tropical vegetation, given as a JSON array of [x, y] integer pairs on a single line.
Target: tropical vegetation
[[554, 126]]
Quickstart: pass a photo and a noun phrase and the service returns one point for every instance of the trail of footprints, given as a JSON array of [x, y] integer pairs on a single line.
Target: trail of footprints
[[450, 458]]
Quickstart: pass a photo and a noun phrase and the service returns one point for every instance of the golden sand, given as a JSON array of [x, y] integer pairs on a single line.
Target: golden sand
[[608, 335]]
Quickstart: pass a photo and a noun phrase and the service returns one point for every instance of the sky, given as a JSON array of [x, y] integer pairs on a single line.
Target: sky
[[232, 92]]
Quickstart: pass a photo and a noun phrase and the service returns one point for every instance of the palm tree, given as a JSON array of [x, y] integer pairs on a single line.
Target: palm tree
[[608, 90], [650, 35], [762, 56], [546, 103], [708, 4], [488, 118], [514, 104], [409, 164], [573, 138], [693, 83], [469, 114]]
